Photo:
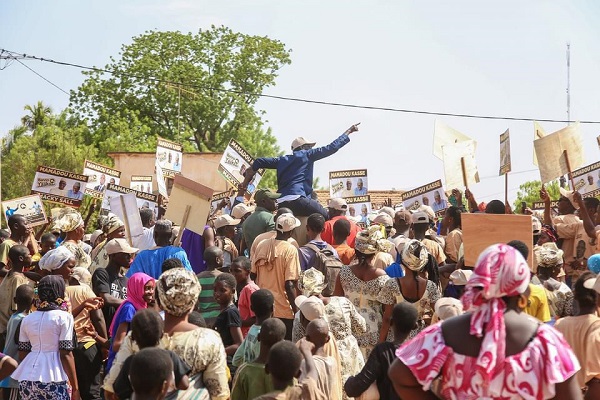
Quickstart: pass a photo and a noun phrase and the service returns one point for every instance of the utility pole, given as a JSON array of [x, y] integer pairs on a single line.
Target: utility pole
[[569, 83]]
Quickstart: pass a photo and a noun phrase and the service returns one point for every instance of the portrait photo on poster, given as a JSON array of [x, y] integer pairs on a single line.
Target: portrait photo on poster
[[234, 163], [58, 186], [431, 194], [144, 200], [169, 156], [587, 180], [31, 207], [359, 208], [99, 177], [141, 183], [349, 183]]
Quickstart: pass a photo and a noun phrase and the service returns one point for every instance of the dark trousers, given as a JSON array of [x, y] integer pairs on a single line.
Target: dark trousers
[[88, 364], [289, 324], [304, 207]]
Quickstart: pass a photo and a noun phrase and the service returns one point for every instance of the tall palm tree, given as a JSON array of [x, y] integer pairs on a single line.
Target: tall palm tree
[[37, 115]]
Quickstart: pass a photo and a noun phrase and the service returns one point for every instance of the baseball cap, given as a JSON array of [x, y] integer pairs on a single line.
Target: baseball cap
[[383, 219], [387, 210], [300, 141], [82, 275], [592, 283], [87, 237], [536, 225], [460, 277], [448, 307], [262, 194], [95, 235], [404, 215], [427, 210], [119, 246], [311, 307], [420, 217], [225, 220], [286, 222], [569, 195], [338, 204], [242, 209]]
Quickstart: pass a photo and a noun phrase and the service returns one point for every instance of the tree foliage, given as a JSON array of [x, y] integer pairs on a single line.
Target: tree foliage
[[529, 192]]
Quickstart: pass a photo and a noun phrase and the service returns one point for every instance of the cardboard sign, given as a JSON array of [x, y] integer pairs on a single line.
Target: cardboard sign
[[58, 186], [189, 205], [453, 154], [359, 208], [169, 156], [587, 180], [538, 133], [349, 183], [539, 205], [100, 176], [144, 200], [141, 183], [126, 207], [553, 163], [444, 135], [160, 180], [30, 207], [432, 195], [482, 230], [505, 165], [216, 199], [235, 162]]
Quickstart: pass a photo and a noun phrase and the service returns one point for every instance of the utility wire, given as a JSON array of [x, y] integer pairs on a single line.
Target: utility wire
[[47, 80], [294, 99]]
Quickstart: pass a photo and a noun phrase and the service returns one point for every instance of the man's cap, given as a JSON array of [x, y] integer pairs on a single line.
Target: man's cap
[[311, 307], [87, 237], [404, 215], [427, 210], [262, 194], [115, 246], [593, 283], [460, 277], [383, 219], [300, 141], [448, 307], [242, 209], [286, 222], [569, 195], [95, 235], [388, 210], [536, 225], [338, 204], [225, 220], [420, 217]]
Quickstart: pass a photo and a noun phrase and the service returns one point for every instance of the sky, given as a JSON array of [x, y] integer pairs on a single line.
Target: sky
[[467, 57]]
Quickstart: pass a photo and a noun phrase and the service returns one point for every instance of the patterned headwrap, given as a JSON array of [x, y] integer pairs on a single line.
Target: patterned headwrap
[[551, 232], [414, 255], [500, 271], [55, 258], [112, 224], [51, 294], [135, 295], [372, 240], [178, 290], [548, 255], [311, 282], [68, 219]]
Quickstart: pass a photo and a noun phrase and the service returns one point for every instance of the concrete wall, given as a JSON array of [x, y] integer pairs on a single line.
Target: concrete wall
[[200, 167]]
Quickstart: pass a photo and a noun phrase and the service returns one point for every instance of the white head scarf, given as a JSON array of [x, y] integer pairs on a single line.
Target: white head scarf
[[55, 258]]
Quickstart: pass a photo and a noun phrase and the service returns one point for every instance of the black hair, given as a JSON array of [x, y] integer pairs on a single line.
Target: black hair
[[24, 296], [149, 369], [146, 216], [363, 258], [454, 212], [404, 317], [341, 229], [282, 210], [147, 328], [211, 253], [171, 263], [47, 236], [261, 303], [591, 202], [433, 269], [243, 262], [316, 222], [586, 298], [520, 247], [196, 318], [4, 234], [14, 219], [272, 331], [495, 207], [227, 279], [284, 360], [17, 251]]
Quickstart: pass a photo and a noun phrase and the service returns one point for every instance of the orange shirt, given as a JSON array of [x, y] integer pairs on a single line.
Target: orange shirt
[[345, 252]]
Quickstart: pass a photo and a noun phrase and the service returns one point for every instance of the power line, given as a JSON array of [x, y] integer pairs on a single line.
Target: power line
[[294, 99], [47, 80]]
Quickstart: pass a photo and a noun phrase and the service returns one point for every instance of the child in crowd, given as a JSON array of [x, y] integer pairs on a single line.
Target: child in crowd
[[151, 374], [341, 231], [146, 331], [240, 268], [330, 378], [251, 380], [404, 320], [208, 307], [261, 303], [47, 243], [24, 300], [228, 322], [171, 263]]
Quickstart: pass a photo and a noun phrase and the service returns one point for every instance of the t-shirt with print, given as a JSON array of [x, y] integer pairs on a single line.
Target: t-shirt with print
[[577, 246], [115, 284], [249, 349]]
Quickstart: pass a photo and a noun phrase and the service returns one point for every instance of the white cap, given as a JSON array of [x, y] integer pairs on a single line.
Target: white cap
[[338, 204], [311, 307], [448, 307], [287, 222], [300, 141], [119, 246], [225, 220], [460, 277], [242, 209]]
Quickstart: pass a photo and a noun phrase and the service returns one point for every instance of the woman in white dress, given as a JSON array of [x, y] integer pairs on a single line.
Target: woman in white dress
[[46, 347]]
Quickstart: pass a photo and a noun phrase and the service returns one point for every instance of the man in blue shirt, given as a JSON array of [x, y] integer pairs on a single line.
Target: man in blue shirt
[[360, 190], [295, 173]]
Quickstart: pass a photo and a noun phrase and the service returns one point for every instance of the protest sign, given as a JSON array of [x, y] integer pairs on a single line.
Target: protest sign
[[505, 165], [348, 183], [562, 152], [539, 205], [160, 180], [444, 135], [482, 230], [234, 163], [359, 208], [141, 183], [538, 133], [30, 207], [460, 167], [216, 199], [432, 195], [144, 200], [58, 186], [587, 180], [100, 176], [189, 198], [126, 207], [169, 156]]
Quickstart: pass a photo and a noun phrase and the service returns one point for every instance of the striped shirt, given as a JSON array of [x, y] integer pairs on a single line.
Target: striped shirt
[[207, 305]]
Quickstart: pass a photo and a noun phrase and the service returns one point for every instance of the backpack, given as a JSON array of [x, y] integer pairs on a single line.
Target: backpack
[[328, 264]]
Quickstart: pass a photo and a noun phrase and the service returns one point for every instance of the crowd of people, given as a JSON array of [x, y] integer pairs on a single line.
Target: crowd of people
[[249, 309]]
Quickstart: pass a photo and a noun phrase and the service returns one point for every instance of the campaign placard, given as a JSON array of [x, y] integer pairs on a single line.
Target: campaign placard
[[359, 208], [58, 186], [460, 164], [160, 180], [144, 200], [505, 165], [169, 156], [539, 205], [587, 180], [100, 176], [30, 207], [141, 183], [431, 195], [348, 183], [553, 147], [216, 199], [235, 162]]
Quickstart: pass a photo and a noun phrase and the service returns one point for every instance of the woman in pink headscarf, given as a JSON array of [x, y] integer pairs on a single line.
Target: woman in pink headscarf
[[140, 292], [495, 351]]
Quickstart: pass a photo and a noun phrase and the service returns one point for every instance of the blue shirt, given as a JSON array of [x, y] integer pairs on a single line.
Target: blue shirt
[[307, 255], [125, 314], [77, 196], [295, 171], [360, 192], [150, 261]]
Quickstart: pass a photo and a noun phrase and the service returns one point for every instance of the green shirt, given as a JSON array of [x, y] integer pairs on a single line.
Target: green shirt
[[4, 248], [207, 305], [260, 221], [251, 381]]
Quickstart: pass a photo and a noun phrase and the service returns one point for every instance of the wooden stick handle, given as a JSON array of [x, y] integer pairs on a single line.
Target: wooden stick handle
[[184, 221], [506, 188], [464, 172], [570, 173]]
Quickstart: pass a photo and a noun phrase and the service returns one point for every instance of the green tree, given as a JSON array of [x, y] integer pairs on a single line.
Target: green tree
[[37, 115], [529, 192]]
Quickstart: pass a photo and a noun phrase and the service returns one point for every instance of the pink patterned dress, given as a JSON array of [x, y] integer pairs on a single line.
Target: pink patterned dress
[[530, 374]]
